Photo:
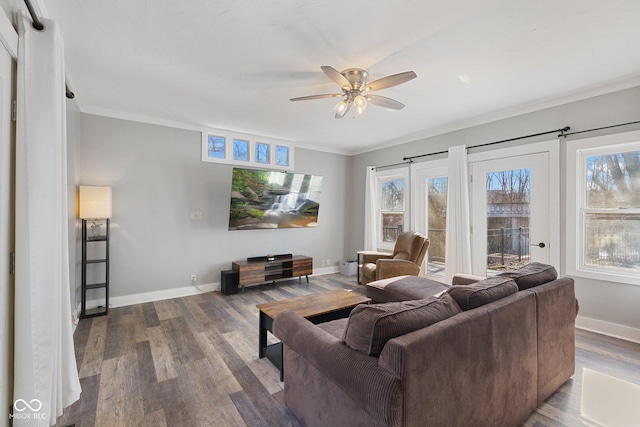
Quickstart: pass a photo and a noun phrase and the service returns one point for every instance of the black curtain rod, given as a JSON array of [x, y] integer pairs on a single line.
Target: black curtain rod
[[604, 127], [394, 164], [410, 158], [39, 26], [68, 92], [561, 130], [36, 22]]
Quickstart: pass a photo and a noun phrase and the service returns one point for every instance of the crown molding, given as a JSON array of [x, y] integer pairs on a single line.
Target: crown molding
[[550, 102], [114, 114]]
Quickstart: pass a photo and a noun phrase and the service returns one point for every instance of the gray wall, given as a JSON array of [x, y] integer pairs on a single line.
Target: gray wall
[[605, 301], [158, 179]]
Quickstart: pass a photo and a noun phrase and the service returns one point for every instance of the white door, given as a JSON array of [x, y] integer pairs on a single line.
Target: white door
[[7, 76], [511, 199]]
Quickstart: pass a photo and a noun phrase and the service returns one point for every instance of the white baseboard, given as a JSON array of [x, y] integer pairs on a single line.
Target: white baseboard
[[326, 270], [125, 300], [183, 291], [607, 328]]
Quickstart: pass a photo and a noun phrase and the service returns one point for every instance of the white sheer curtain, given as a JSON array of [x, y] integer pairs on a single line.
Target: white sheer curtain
[[370, 207], [458, 252], [45, 373]]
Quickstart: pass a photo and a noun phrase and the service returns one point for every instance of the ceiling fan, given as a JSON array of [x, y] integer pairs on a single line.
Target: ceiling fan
[[356, 91]]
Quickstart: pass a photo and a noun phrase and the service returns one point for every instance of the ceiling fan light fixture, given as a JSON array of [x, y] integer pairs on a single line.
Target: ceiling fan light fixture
[[360, 102], [355, 89], [341, 106]]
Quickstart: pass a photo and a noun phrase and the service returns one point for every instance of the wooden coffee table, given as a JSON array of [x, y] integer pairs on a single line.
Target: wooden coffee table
[[317, 308]]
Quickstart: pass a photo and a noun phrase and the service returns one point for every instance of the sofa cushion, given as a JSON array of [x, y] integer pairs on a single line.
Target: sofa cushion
[[401, 255], [531, 275], [370, 326], [403, 288], [335, 327], [482, 292]]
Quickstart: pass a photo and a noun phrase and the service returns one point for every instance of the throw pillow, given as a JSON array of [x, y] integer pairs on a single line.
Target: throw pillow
[[482, 292], [531, 275], [370, 326]]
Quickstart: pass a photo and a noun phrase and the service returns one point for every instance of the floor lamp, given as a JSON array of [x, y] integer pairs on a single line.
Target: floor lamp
[[95, 213]]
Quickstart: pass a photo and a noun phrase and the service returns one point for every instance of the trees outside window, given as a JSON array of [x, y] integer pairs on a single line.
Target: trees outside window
[[611, 220], [603, 207]]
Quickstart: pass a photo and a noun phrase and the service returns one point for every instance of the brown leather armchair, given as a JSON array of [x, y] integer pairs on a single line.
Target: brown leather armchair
[[406, 259]]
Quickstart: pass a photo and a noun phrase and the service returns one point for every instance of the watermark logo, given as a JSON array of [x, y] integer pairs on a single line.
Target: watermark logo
[[23, 410]]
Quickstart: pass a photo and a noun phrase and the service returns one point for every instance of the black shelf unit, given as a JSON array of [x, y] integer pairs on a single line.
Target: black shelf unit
[[86, 240]]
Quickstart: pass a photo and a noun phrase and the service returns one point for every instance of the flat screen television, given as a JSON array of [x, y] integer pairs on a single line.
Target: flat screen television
[[271, 199]]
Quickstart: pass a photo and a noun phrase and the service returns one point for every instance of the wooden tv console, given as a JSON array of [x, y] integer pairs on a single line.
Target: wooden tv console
[[260, 270]]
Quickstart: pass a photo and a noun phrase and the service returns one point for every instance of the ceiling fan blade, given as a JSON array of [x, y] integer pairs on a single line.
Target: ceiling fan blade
[[340, 115], [307, 98], [383, 101], [335, 75], [390, 81]]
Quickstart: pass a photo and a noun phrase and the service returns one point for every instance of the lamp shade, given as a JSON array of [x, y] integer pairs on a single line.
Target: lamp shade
[[95, 202]]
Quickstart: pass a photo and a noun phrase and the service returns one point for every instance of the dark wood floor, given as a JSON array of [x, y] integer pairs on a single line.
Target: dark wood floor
[[193, 362]]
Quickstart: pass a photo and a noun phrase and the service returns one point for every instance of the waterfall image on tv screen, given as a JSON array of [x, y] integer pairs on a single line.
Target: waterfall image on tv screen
[[266, 199]]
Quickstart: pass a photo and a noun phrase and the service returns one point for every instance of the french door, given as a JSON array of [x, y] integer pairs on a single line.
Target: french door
[[515, 211]]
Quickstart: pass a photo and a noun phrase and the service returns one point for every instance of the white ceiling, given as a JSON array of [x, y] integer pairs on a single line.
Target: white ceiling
[[234, 64]]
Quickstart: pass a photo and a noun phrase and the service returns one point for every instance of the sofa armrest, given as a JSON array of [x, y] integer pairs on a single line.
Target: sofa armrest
[[371, 386], [465, 279], [371, 257], [556, 306], [386, 268]]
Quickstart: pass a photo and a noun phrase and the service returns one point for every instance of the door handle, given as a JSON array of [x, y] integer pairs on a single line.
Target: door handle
[[540, 245]]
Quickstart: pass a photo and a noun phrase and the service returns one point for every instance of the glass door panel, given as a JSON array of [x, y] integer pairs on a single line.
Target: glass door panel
[[508, 218], [430, 195], [436, 224], [510, 202]]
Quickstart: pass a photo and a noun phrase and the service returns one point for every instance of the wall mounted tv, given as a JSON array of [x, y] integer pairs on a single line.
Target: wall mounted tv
[[268, 199]]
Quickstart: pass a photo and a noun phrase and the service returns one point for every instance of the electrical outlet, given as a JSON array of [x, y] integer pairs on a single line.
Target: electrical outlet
[[196, 215], [324, 262], [193, 278], [328, 261]]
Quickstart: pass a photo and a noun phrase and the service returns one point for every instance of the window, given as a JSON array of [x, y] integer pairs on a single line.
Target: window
[[241, 150], [605, 178], [392, 189], [392, 209], [216, 147], [262, 152], [282, 155]]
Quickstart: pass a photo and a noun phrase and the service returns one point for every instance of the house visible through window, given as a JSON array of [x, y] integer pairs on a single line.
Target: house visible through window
[[508, 218]]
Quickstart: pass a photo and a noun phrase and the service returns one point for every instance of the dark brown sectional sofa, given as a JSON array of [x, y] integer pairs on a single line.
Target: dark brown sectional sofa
[[489, 365]]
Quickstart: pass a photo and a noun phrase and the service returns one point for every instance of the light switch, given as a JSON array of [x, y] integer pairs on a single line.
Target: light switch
[[196, 215]]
